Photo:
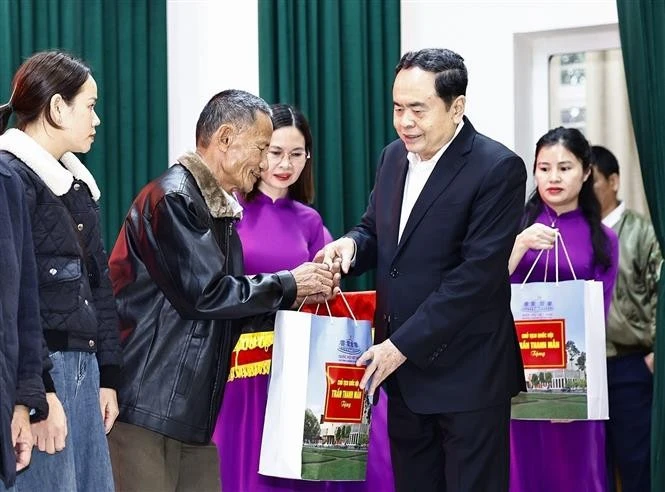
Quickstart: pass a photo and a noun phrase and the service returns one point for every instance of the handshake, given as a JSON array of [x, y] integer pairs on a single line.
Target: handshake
[[318, 281]]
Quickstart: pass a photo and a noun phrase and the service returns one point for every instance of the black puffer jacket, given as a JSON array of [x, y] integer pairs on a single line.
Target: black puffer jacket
[[76, 301], [177, 272]]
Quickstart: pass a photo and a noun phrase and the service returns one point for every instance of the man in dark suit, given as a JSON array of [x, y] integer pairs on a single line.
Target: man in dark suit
[[439, 228]]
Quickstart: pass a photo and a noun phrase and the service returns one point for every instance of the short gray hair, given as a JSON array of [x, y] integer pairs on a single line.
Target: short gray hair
[[232, 106]]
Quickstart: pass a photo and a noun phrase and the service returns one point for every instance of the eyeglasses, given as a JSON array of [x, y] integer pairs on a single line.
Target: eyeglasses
[[296, 157]]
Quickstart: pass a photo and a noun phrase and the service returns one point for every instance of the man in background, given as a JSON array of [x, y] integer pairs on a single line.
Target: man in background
[[631, 328]]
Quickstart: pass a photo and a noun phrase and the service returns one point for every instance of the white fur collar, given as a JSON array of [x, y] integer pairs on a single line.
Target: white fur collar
[[59, 179]]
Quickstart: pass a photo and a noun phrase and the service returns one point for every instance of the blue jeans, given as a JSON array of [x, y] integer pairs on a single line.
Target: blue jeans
[[84, 465]]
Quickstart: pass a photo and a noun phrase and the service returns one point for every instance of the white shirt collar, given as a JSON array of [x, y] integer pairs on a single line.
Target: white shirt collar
[[615, 215], [233, 202], [415, 158]]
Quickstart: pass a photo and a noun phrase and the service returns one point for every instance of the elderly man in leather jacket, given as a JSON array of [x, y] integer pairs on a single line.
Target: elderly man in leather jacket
[[631, 327], [182, 298]]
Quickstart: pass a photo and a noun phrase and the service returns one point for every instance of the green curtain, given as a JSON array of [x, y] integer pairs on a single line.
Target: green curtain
[[124, 42], [643, 44], [335, 59]]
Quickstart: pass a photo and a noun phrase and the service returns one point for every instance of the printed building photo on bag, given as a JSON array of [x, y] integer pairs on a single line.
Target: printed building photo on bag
[[337, 418], [317, 421]]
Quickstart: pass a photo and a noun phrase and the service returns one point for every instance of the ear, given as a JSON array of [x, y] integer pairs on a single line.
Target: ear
[[587, 174], [458, 107], [615, 182], [223, 137], [56, 107]]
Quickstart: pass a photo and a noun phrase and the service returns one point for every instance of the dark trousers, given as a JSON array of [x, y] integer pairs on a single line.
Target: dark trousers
[[145, 461], [630, 391], [450, 452]]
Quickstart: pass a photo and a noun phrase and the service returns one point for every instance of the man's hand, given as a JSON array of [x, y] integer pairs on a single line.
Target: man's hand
[[385, 359], [341, 252], [50, 434], [108, 401], [21, 436], [312, 279], [648, 360]]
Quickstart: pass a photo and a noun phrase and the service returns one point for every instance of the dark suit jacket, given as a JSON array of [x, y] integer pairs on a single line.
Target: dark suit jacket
[[443, 293]]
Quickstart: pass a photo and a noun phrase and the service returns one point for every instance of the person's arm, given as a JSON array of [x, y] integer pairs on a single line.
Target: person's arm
[[108, 335], [608, 276], [183, 258], [494, 219], [364, 254], [536, 236], [108, 339], [652, 264], [30, 385]]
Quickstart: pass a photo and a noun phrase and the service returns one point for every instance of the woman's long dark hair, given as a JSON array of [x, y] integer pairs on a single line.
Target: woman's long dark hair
[[573, 140], [285, 115], [36, 81]]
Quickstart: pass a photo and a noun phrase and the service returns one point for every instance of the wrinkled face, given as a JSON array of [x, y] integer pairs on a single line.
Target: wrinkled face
[[79, 120], [246, 156], [559, 176], [606, 189], [420, 117], [286, 160]]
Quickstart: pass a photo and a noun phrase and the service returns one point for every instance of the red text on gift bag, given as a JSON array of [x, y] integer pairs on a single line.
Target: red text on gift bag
[[542, 342], [345, 401]]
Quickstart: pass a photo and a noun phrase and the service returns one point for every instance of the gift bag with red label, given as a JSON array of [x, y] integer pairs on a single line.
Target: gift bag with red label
[[561, 332], [317, 418]]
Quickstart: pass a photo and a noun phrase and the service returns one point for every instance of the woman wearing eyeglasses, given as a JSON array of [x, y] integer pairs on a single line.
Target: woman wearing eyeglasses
[[277, 211]]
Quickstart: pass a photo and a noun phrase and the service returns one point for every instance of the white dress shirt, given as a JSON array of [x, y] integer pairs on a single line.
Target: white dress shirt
[[416, 176], [614, 216]]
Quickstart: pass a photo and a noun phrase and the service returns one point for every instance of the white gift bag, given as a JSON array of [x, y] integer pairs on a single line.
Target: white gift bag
[[561, 331], [316, 423]]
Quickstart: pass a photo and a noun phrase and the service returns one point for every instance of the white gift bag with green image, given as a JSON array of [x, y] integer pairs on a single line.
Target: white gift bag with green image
[[561, 331], [317, 418]]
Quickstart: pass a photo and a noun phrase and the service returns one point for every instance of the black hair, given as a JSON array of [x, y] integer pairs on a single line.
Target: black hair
[[604, 161], [285, 115], [36, 81], [451, 79], [575, 142], [230, 106]]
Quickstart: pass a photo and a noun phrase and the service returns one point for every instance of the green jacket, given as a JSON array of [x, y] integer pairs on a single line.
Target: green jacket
[[631, 323]]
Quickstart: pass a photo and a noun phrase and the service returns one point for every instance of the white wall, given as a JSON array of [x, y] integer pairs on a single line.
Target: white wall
[[484, 33], [212, 45]]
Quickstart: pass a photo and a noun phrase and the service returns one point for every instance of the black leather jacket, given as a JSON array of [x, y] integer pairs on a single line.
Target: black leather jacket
[[177, 272]]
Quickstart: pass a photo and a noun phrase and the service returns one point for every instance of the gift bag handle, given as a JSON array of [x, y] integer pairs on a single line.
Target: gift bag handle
[[558, 238], [328, 307]]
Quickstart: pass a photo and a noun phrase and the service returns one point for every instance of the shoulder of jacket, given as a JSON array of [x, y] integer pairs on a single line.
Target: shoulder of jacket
[[636, 220]]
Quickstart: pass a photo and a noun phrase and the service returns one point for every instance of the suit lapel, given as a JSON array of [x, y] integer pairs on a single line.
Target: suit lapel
[[448, 166]]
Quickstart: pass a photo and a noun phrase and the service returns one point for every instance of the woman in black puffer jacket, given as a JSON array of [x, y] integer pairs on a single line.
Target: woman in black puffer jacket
[[53, 101]]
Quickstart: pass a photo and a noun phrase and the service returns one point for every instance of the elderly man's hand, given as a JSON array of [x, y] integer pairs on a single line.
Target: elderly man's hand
[[313, 279], [338, 254], [385, 359]]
